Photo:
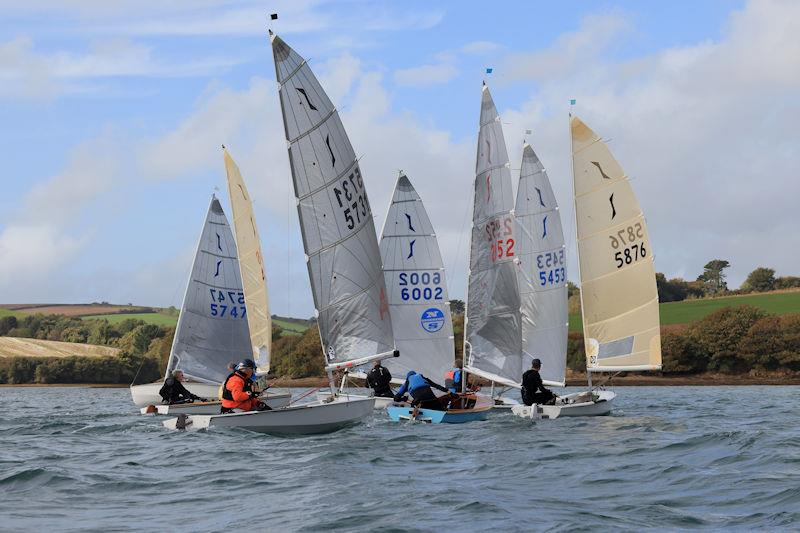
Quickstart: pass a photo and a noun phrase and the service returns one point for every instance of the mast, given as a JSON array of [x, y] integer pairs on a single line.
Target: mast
[[577, 248]]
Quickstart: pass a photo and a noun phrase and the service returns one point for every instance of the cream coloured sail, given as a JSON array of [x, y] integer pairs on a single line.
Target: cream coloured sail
[[417, 287], [344, 263], [542, 270], [251, 265], [618, 288], [492, 328]]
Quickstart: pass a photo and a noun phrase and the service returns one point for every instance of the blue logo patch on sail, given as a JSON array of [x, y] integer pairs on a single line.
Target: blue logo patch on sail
[[432, 320]]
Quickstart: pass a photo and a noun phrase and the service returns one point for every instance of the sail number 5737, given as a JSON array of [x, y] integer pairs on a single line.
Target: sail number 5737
[[352, 199]]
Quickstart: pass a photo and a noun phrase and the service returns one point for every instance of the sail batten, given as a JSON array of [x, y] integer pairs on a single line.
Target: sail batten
[[251, 265], [339, 238], [619, 299], [492, 328], [417, 287], [212, 328]]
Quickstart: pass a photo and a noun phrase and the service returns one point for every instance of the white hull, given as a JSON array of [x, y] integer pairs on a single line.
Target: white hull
[[275, 401], [502, 402], [602, 406], [147, 394], [305, 419], [380, 402]]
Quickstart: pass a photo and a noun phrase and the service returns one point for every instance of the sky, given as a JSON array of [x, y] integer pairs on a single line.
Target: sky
[[112, 116]]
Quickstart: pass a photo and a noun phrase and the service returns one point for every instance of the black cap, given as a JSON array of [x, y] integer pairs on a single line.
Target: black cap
[[536, 363]]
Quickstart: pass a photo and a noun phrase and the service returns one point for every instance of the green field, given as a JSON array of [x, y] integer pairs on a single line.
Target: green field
[[688, 311], [151, 318], [8, 312], [159, 319]]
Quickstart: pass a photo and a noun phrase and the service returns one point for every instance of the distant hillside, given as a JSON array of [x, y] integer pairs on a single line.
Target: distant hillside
[[688, 311], [117, 313], [18, 347]]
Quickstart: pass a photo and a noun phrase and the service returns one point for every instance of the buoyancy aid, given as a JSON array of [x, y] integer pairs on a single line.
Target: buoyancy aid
[[452, 379], [416, 381], [227, 398]]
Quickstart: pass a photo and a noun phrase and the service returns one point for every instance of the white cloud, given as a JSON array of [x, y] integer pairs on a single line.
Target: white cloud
[[704, 130], [480, 47], [425, 75]]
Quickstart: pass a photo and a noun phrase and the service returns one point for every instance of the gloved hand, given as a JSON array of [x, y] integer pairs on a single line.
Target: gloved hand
[[398, 398]]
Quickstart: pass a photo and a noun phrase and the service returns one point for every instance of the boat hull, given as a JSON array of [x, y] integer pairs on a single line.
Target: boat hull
[[275, 401], [602, 406], [434, 416], [147, 394], [305, 419], [380, 401]]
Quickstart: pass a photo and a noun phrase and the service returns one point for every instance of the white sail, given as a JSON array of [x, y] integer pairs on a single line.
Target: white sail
[[618, 287], [212, 329], [251, 265], [344, 264], [417, 288], [543, 270], [492, 329]]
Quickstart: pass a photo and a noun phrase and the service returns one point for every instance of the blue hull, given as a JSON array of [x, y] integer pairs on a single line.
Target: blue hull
[[430, 416]]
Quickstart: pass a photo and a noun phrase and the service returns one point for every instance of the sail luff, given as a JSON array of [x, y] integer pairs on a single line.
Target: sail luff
[[335, 217], [417, 287], [493, 322], [619, 299], [251, 266], [542, 270]]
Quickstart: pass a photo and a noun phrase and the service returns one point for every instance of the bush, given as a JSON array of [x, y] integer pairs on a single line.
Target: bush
[[680, 354], [576, 352], [773, 343], [76, 369], [7, 323], [717, 337], [298, 356]]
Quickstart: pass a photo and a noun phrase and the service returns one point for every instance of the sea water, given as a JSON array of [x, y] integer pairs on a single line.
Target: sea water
[[718, 458]]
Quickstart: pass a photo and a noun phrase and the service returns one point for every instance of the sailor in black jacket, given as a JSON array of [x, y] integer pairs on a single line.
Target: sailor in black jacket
[[533, 390], [173, 390], [380, 380]]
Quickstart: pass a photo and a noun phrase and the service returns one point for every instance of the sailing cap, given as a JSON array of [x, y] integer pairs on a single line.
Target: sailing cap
[[247, 363], [536, 363]]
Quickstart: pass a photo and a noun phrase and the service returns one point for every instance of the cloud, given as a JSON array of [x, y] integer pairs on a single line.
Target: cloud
[[425, 75], [480, 47], [704, 130]]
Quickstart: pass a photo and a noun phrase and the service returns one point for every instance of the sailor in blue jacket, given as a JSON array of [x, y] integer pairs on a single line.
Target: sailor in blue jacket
[[420, 389]]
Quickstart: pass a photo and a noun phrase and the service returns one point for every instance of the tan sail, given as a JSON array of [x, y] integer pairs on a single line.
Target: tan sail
[[251, 264], [618, 287]]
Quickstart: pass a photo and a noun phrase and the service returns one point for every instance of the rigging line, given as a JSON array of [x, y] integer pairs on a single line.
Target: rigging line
[[458, 247]]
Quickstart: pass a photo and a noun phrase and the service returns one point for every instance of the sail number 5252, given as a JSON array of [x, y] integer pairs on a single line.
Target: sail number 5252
[[499, 234]]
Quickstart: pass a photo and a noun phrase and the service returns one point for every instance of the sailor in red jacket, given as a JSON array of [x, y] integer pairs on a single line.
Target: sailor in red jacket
[[237, 392]]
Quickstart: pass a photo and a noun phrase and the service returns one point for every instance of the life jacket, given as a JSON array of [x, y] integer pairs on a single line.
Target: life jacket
[[227, 397], [452, 379], [416, 381]]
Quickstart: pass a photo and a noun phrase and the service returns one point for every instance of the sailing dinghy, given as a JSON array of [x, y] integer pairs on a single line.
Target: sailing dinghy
[[417, 290], [493, 321], [619, 300], [212, 328], [342, 255]]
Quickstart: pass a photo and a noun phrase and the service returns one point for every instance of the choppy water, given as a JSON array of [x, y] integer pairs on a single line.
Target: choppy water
[[669, 458]]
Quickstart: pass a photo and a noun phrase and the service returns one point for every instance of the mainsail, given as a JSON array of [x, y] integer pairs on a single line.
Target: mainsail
[[492, 330], [415, 278], [543, 270], [212, 328], [619, 300], [344, 263], [251, 265]]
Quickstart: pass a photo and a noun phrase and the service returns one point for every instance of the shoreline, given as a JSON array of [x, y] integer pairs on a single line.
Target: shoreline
[[573, 380]]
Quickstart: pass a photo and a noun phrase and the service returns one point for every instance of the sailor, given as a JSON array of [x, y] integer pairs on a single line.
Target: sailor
[[452, 378], [379, 379], [420, 389], [237, 391], [533, 390], [173, 390]]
